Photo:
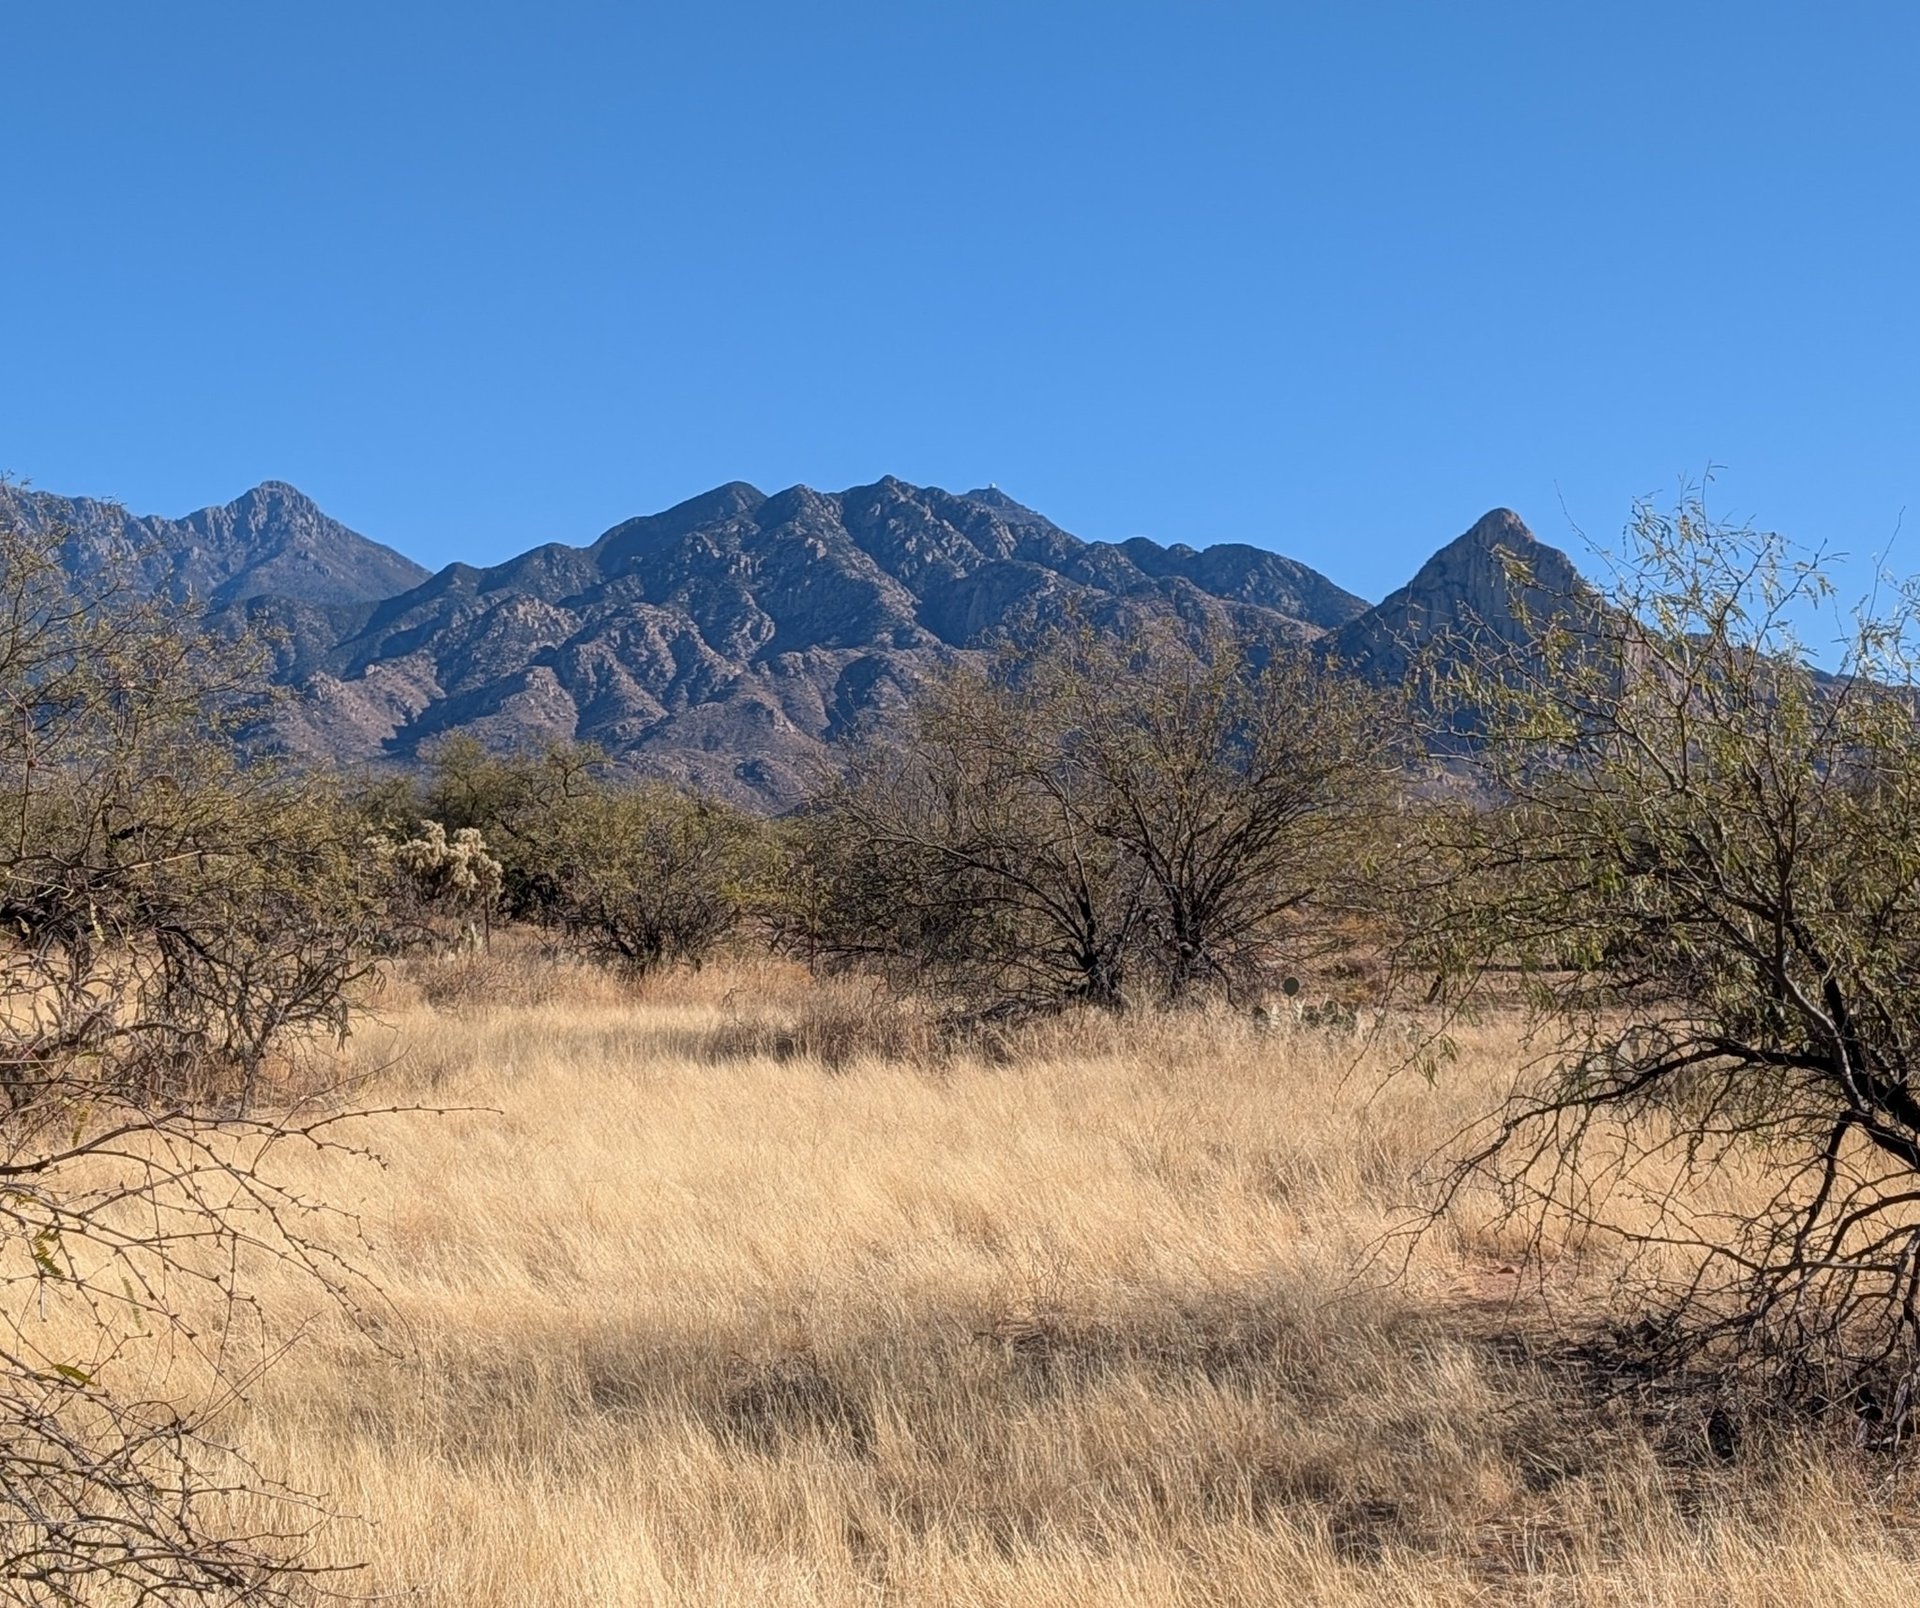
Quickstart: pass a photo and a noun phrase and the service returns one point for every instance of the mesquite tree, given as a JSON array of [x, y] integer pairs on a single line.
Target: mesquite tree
[[644, 876], [1694, 853], [1101, 819], [966, 854]]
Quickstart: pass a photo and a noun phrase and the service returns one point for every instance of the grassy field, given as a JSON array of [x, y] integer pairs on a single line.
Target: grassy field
[[724, 1292]]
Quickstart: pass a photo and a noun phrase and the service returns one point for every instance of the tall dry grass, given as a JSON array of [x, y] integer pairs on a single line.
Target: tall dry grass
[[739, 1289]]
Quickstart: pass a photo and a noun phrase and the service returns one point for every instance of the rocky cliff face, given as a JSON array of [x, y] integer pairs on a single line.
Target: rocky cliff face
[[729, 641], [1480, 585], [273, 541]]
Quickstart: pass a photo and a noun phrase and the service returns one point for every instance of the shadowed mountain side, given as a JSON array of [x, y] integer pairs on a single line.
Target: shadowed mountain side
[[729, 640], [273, 541], [1463, 591]]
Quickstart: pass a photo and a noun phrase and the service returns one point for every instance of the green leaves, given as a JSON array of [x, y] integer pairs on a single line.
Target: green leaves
[[42, 1247]]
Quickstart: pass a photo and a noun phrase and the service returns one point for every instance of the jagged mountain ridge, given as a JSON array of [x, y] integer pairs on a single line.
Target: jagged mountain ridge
[[728, 641], [271, 541]]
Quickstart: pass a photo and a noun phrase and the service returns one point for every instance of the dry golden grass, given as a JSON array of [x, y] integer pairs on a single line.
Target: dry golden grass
[[706, 1303]]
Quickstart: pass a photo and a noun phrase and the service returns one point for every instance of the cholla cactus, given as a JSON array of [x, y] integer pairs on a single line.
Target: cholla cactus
[[438, 871]]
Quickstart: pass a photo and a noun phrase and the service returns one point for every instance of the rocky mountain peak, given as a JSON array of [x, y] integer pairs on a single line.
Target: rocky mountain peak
[[1499, 527], [281, 491], [271, 541], [994, 497], [728, 641], [1474, 574], [1479, 584]]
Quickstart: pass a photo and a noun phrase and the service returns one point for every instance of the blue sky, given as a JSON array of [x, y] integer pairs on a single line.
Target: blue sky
[[1333, 279]]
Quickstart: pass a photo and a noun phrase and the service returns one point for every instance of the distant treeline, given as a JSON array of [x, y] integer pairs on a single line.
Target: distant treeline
[[1089, 821]]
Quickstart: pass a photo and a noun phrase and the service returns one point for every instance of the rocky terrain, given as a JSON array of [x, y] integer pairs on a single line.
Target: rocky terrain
[[271, 542], [1464, 589], [728, 641]]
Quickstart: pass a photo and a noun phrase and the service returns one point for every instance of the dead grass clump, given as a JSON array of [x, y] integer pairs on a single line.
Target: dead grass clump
[[467, 979], [769, 1402], [515, 970], [834, 1024]]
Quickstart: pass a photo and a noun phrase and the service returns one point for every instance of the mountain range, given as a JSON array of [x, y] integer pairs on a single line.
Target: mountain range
[[727, 642], [272, 542]]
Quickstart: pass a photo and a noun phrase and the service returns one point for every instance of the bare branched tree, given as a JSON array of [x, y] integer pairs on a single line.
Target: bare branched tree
[[176, 925], [1101, 819], [1250, 795], [966, 854]]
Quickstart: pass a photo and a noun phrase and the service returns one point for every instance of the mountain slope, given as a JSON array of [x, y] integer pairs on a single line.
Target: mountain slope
[[272, 541], [1465, 591], [727, 640]]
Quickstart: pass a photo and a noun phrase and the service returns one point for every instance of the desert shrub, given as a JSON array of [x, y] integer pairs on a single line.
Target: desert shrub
[[514, 800], [644, 877], [638, 875], [167, 904], [1100, 820]]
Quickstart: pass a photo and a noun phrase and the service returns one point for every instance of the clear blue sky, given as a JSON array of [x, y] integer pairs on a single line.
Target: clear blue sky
[[1331, 278]]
